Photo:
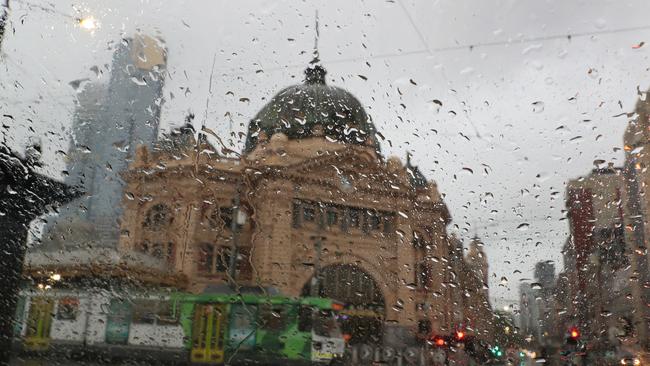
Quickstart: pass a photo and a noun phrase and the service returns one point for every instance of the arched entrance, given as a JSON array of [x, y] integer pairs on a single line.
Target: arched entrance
[[363, 317]]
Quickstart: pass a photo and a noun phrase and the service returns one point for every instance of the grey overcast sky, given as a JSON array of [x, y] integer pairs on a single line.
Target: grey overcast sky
[[526, 109]]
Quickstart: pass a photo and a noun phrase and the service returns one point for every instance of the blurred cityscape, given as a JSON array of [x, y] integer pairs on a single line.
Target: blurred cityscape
[[309, 245]]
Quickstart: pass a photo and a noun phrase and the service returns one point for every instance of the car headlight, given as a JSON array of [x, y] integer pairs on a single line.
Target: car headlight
[[622, 361], [637, 361]]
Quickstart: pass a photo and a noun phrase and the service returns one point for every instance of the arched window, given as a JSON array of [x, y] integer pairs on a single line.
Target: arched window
[[159, 249], [158, 217], [422, 274], [213, 259], [221, 218], [418, 240]]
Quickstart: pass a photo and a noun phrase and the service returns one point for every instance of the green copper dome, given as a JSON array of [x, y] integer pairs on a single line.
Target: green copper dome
[[313, 109]]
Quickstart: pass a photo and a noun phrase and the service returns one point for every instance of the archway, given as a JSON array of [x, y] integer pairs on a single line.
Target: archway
[[364, 313]]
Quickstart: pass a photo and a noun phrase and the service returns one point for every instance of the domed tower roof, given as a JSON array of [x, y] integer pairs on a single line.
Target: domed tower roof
[[313, 108]]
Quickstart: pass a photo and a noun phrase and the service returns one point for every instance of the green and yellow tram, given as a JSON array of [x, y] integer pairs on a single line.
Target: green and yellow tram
[[203, 329]]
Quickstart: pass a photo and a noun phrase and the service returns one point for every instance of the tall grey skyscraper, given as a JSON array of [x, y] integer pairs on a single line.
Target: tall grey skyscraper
[[545, 273], [110, 121]]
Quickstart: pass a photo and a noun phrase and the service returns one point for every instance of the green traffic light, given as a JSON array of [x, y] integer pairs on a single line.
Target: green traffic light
[[496, 351]]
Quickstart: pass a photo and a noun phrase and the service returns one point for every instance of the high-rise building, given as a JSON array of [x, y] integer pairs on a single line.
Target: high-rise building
[[545, 273], [637, 178], [599, 251], [528, 312], [537, 308], [109, 122], [466, 289]]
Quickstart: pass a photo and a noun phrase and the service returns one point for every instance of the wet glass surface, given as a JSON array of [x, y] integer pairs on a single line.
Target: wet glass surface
[[388, 182]]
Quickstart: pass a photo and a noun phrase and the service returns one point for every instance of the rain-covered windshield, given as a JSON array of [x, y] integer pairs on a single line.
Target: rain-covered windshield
[[462, 182]]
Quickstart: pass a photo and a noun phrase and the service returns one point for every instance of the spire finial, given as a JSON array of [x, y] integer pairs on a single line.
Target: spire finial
[[316, 58], [315, 74]]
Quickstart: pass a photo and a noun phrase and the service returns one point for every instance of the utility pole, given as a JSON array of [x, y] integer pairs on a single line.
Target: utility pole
[[234, 228]]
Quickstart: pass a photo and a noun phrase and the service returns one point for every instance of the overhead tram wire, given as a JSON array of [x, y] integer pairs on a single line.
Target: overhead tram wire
[[51, 10], [470, 47]]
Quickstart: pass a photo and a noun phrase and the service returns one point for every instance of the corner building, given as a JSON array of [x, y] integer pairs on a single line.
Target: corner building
[[310, 196]]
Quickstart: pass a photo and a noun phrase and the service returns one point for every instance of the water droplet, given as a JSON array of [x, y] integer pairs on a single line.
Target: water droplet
[[538, 107], [139, 82]]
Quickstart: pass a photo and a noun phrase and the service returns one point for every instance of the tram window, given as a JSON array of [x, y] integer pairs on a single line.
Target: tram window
[[67, 308], [272, 318], [325, 324], [305, 318], [144, 311], [166, 314]]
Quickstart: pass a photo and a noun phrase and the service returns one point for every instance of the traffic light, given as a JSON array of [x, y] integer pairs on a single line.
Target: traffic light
[[496, 351], [573, 336], [460, 335], [439, 341]]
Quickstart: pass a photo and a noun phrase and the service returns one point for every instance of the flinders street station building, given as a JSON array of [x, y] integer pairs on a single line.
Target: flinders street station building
[[310, 207]]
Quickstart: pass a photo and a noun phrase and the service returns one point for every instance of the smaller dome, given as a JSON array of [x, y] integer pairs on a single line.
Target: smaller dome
[[279, 138], [393, 163], [313, 109]]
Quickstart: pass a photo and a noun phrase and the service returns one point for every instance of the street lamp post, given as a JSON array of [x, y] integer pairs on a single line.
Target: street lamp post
[[315, 281]]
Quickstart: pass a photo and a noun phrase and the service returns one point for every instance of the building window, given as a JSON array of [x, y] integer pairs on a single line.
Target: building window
[[354, 219], [424, 326], [332, 217], [67, 308], [422, 275], [296, 213], [308, 213], [418, 240], [214, 259], [389, 223], [160, 250], [158, 218], [225, 215], [373, 220]]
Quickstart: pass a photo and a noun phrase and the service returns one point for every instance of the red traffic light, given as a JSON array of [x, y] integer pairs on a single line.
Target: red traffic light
[[574, 333], [438, 341], [460, 335]]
